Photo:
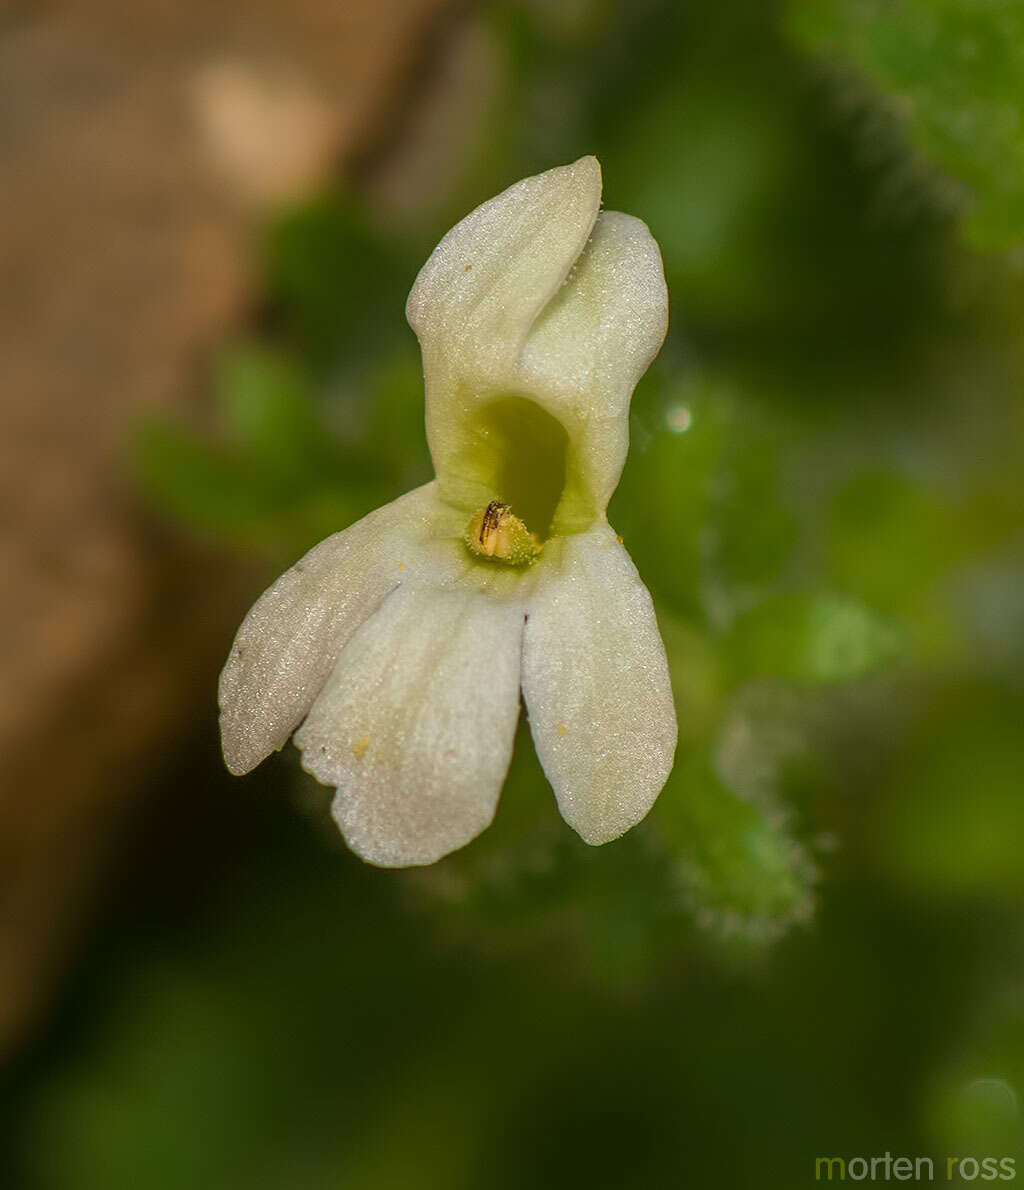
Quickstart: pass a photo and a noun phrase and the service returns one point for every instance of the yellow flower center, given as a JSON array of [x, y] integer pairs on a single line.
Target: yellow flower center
[[497, 534]]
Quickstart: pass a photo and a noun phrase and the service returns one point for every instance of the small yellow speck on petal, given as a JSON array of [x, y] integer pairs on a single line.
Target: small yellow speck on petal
[[401, 565], [618, 539], [360, 746], [561, 729]]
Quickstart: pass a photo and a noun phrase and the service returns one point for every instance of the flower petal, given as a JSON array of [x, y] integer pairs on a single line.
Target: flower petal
[[289, 641], [596, 684], [594, 340], [476, 298], [416, 723]]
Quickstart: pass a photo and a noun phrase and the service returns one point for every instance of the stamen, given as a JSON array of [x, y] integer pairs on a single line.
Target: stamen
[[497, 534]]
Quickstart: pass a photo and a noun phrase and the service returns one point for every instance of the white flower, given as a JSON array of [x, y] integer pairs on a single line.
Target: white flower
[[402, 643]]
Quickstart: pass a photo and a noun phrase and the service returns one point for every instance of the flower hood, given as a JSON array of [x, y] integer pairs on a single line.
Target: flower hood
[[401, 644]]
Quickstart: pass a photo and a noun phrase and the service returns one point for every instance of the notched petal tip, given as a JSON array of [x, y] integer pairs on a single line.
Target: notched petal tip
[[415, 725], [422, 853]]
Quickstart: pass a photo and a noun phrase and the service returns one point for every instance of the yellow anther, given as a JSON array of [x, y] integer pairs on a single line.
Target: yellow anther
[[498, 534]]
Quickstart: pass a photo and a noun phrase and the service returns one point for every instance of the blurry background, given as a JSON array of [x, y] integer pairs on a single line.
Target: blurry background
[[815, 944]]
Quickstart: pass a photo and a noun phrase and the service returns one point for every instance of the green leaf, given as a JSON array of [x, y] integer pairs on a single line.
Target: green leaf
[[214, 490], [810, 638], [269, 408], [952, 69], [335, 283], [201, 485], [739, 868]]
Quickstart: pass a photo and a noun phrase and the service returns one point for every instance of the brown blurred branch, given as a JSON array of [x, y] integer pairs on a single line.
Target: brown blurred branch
[[136, 147]]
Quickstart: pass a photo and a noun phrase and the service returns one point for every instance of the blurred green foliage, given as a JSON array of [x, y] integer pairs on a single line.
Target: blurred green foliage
[[950, 70], [813, 946]]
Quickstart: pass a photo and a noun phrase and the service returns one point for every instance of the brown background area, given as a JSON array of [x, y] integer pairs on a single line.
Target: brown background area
[[138, 146]]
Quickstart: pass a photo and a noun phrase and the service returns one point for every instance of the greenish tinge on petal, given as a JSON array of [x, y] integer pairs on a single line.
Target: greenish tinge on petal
[[526, 303], [498, 535], [415, 725], [511, 450], [294, 633], [591, 345], [596, 685], [477, 296]]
